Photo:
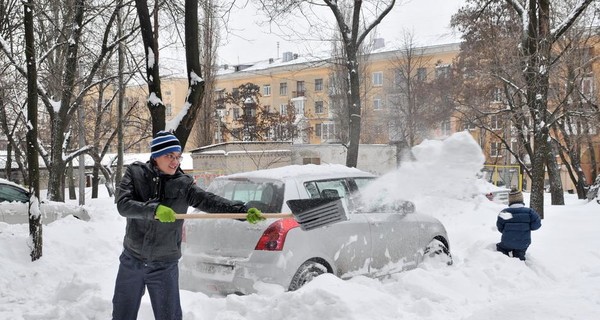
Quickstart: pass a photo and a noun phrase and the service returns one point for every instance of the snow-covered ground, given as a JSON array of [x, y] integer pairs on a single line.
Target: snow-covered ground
[[560, 280]]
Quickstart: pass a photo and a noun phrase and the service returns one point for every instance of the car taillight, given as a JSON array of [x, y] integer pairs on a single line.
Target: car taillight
[[274, 236]]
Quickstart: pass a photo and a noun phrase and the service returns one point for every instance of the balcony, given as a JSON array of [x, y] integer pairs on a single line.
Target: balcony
[[296, 94]]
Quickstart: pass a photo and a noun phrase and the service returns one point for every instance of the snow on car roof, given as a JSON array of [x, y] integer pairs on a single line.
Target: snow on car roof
[[323, 170]]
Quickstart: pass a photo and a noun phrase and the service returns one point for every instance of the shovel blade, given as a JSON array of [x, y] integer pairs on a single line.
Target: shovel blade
[[316, 213]]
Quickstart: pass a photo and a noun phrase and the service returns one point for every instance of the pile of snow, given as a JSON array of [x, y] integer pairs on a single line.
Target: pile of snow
[[75, 277]]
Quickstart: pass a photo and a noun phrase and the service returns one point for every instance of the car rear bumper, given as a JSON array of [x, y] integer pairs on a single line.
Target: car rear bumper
[[218, 276]]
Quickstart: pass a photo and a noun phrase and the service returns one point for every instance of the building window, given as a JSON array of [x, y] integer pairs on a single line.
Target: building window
[[318, 129], [168, 110], [378, 78], [587, 87], [496, 122], [468, 125], [283, 89], [318, 84], [283, 109], [377, 104], [267, 90], [495, 149], [442, 71], [446, 128], [299, 88], [328, 131], [236, 113], [422, 74], [318, 107], [497, 94], [400, 78]]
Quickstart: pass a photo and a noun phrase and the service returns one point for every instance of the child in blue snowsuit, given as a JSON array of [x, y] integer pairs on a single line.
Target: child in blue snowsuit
[[516, 223]]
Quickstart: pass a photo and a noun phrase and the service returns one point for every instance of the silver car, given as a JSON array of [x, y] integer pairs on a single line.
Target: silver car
[[14, 206], [223, 256]]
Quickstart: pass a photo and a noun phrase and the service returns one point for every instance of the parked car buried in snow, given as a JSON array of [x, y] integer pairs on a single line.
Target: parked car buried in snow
[[498, 195], [14, 203], [223, 256]]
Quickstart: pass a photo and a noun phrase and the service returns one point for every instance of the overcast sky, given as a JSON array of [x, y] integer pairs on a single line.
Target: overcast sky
[[246, 41]]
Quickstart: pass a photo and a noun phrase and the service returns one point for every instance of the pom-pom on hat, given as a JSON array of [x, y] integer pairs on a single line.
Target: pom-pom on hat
[[515, 196], [164, 142]]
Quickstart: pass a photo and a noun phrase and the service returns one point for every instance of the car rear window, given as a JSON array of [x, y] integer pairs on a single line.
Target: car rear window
[[262, 194]]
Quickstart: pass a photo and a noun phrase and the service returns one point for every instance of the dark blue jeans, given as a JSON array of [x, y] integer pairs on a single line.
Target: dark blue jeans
[[515, 253], [162, 281]]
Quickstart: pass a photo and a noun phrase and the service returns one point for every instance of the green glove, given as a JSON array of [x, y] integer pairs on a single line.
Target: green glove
[[165, 214], [254, 216]]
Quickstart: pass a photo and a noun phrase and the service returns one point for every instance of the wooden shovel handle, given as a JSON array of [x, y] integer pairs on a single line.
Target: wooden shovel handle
[[229, 215]]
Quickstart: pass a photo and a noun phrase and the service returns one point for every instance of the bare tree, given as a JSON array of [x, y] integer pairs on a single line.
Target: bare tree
[[183, 122], [61, 29], [572, 90], [205, 124], [354, 28], [527, 89], [417, 104], [253, 121]]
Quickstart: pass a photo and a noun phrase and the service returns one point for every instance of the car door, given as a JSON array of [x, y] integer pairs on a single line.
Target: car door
[[345, 243], [394, 242]]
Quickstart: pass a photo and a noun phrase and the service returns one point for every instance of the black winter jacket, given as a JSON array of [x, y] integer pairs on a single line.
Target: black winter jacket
[[142, 188]]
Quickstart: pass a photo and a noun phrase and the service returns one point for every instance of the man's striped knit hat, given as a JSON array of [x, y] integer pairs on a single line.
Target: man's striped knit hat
[[164, 142]]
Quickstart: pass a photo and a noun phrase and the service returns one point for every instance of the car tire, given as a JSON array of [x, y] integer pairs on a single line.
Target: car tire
[[306, 272], [437, 252]]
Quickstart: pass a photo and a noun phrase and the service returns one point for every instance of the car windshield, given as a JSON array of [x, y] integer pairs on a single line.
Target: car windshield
[[266, 195]]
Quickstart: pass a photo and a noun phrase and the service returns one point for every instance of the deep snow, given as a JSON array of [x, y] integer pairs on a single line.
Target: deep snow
[[560, 280]]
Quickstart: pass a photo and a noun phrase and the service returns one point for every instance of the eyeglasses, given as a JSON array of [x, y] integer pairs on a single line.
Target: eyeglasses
[[173, 157]]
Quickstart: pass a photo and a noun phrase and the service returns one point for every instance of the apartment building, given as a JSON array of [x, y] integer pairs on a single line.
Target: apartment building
[[308, 83]]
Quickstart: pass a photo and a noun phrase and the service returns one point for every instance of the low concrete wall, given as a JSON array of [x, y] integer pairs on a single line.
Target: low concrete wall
[[232, 157]]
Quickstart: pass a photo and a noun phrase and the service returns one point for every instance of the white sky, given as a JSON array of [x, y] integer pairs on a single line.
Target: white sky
[[428, 20], [560, 279]]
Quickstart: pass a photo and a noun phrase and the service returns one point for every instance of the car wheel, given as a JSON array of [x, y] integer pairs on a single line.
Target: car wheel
[[307, 271], [437, 251]]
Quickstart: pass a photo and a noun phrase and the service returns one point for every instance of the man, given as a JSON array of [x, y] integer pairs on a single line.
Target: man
[[516, 223], [149, 196]]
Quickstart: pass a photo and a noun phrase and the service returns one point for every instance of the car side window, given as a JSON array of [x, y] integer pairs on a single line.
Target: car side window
[[361, 183], [10, 193], [326, 189]]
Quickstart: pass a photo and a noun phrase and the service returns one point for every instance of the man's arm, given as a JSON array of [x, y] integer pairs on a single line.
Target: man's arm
[[127, 205]]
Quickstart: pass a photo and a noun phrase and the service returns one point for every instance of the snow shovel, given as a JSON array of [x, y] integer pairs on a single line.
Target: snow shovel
[[309, 213]]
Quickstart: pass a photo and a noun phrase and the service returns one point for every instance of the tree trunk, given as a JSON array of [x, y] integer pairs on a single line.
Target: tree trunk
[[354, 107], [536, 202], [120, 103], [95, 180], [60, 119], [194, 72], [155, 104], [71, 178], [556, 188], [35, 224]]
